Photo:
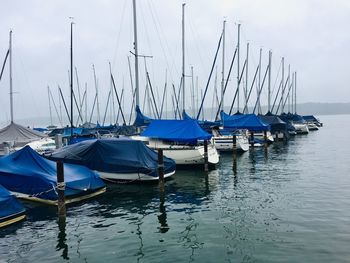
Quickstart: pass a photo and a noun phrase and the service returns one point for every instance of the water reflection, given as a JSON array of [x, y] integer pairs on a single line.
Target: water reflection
[[62, 237], [162, 217]]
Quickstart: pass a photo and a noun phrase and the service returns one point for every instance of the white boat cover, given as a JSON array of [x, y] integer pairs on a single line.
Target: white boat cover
[[19, 134]]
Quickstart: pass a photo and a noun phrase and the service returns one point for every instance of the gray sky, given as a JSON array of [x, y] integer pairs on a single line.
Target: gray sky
[[312, 35]]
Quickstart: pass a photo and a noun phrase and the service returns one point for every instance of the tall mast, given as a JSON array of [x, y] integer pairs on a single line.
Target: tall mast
[[238, 70], [288, 87], [246, 78], [192, 95], [136, 56], [223, 66], [96, 88], [183, 57], [11, 88], [259, 80], [282, 94], [71, 79], [48, 94], [269, 84], [295, 92]]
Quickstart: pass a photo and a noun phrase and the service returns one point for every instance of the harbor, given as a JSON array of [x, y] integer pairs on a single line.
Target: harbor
[[200, 144], [289, 205]]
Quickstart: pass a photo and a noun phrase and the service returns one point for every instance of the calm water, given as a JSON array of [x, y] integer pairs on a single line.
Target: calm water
[[289, 204]]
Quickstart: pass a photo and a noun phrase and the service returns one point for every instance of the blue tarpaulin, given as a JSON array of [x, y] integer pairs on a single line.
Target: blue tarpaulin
[[114, 156], [205, 125], [292, 117], [27, 172], [141, 120], [9, 205], [250, 122], [276, 124], [183, 131]]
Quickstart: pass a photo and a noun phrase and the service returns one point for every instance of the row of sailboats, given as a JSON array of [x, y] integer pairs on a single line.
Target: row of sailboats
[[186, 143]]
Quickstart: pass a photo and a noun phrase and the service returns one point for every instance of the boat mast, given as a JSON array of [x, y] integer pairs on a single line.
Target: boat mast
[[295, 92], [246, 78], [136, 56], [71, 79], [48, 94], [238, 70], [282, 83], [269, 84], [11, 87], [259, 80], [223, 66], [96, 88], [183, 57], [289, 82]]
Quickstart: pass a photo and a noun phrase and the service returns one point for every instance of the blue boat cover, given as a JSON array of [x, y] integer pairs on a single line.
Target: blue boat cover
[[27, 172], [292, 117], [276, 124], [8, 204], [250, 122], [183, 131], [141, 120], [114, 156], [205, 125]]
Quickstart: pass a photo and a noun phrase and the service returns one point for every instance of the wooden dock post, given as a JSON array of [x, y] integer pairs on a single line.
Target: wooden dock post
[[206, 168], [252, 139], [265, 138], [61, 204], [161, 168]]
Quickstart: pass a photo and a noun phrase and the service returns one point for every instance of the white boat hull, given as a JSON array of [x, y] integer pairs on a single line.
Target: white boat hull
[[183, 154], [131, 177], [225, 143], [301, 128]]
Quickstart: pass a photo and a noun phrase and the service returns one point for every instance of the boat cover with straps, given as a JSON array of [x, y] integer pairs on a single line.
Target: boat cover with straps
[[113, 156], [27, 172], [183, 131], [250, 122], [9, 205]]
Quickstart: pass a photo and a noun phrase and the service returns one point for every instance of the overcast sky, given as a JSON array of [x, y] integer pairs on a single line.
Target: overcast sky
[[312, 35]]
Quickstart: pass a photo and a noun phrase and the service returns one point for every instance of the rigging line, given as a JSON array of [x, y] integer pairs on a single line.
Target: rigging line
[[93, 108], [227, 79], [283, 89], [119, 33], [133, 91], [278, 73], [104, 116], [154, 100], [64, 103], [119, 104], [54, 104], [145, 26], [177, 103], [278, 91], [259, 93], [250, 90], [211, 72], [3, 65], [121, 99], [155, 20], [239, 82], [163, 98], [81, 106]]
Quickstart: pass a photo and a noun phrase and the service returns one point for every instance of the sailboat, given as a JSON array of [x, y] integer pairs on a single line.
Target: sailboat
[[181, 140], [15, 135]]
